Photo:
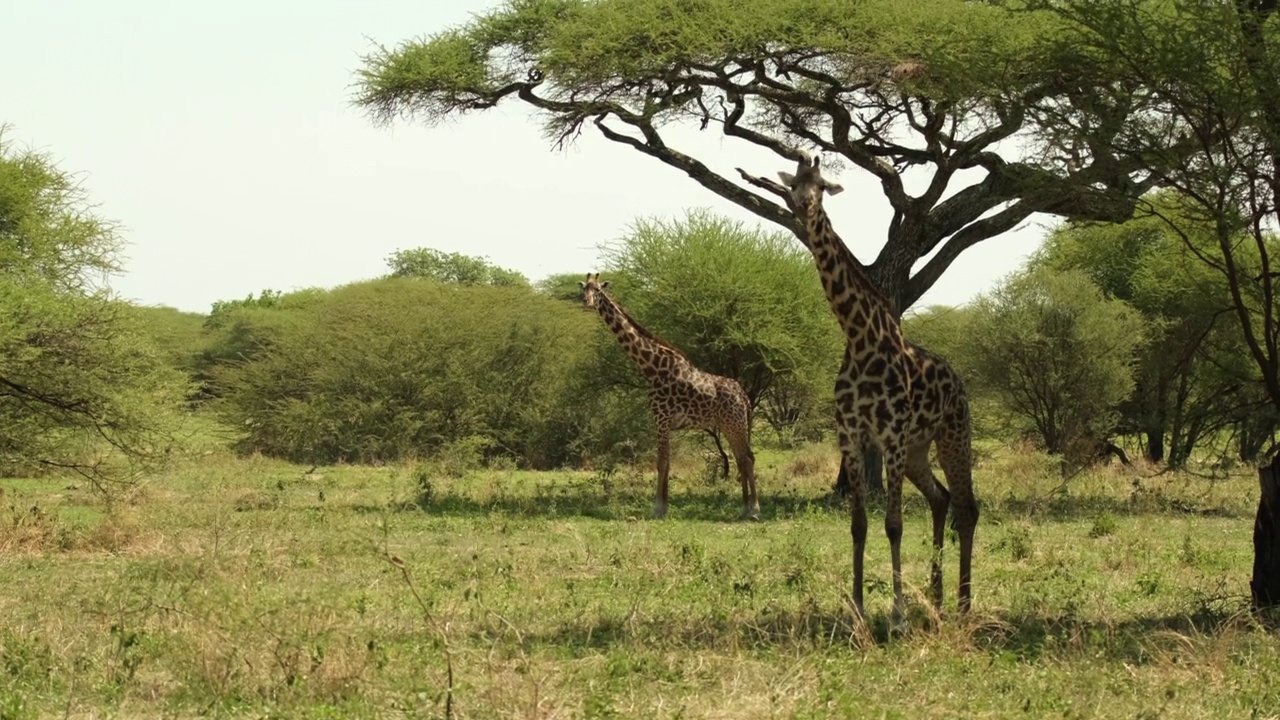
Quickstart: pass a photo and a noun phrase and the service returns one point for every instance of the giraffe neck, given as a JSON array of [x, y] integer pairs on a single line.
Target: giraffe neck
[[640, 345], [856, 302]]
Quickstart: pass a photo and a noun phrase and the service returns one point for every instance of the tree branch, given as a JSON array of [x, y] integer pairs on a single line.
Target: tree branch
[[968, 237], [655, 147]]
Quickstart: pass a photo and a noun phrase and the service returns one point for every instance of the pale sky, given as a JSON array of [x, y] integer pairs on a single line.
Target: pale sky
[[221, 137]]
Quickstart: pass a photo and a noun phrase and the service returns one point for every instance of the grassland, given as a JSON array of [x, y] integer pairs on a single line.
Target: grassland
[[251, 588]]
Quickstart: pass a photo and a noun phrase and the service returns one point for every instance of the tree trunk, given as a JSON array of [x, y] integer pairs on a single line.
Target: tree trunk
[[724, 457], [1265, 586], [1155, 445], [873, 469], [873, 476]]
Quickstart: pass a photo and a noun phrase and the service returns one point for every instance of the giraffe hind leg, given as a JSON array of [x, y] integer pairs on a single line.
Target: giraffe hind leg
[[921, 475], [740, 444], [955, 456], [893, 466]]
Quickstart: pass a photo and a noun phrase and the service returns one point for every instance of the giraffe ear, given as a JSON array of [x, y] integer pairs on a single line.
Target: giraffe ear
[[833, 189], [582, 285], [604, 285], [787, 178]]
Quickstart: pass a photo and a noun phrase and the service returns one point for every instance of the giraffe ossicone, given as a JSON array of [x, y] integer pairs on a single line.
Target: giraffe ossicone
[[681, 396]]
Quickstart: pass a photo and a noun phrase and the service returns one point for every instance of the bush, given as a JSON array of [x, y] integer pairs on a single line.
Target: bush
[[401, 367], [1058, 354], [82, 387], [741, 302]]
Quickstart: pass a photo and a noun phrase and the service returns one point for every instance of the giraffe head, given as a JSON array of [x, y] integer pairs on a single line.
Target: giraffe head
[[807, 184], [592, 289]]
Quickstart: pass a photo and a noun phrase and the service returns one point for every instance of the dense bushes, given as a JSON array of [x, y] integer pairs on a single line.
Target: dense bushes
[[398, 367], [424, 364]]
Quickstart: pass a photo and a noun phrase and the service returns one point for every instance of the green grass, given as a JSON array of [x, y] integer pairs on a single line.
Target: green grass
[[242, 587]]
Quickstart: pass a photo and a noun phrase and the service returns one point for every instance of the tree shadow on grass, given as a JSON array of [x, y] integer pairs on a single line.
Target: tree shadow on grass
[[591, 498], [584, 500], [1006, 635]]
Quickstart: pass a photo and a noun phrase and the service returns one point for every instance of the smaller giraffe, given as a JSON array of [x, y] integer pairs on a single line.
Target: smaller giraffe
[[680, 395]]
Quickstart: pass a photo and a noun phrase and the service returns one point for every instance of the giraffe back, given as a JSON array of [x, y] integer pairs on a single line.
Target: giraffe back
[[689, 398]]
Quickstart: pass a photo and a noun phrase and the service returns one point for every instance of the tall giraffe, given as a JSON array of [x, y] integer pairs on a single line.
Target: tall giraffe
[[890, 394], [681, 396]]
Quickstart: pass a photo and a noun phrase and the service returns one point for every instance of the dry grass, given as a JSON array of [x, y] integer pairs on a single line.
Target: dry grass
[[246, 588]]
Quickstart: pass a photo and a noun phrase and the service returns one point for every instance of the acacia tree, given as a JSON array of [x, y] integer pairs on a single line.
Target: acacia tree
[[933, 98], [1194, 378], [933, 88], [1058, 353], [1213, 73], [82, 388]]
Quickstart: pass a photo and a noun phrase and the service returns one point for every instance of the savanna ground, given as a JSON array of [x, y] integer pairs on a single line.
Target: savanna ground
[[252, 588]]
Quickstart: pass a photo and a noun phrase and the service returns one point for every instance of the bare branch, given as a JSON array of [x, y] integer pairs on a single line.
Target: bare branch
[[655, 147], [973, 233]]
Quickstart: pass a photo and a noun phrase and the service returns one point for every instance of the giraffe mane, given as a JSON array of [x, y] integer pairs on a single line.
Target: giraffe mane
[[644, 332], [853, 263]]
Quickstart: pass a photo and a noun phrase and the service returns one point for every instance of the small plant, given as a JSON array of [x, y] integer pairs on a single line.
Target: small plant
[[1020, 543], [1189, 554], [424, 489], [13, 707], [1149, 583], [461, 456], [1103, 525]]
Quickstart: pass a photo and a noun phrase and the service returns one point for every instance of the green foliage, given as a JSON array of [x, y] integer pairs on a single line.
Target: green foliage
[[179, 336], [606, 46], [222, 309], [47, 234], [240, 330], [1194, 378], [452, 268], [1210, 72], [398, 367], [741, 303], [82, 387], [562, 286], [1058, 353]]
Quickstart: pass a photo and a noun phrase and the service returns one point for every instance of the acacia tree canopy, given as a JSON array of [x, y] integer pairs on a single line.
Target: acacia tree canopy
[[82, 388], [1212, 72], [915, 92]]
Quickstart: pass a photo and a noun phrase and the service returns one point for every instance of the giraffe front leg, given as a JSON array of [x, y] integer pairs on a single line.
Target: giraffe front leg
[[852, 463], [664, 471]]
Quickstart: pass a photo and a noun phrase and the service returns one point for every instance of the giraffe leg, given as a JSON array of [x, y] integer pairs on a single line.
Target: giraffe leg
[[740, 444], [893, 466], [920, 475], [664, 470], [955, 456], [852, 461]]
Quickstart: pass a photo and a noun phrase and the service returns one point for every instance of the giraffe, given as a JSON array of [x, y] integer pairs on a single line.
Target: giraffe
[[891, 394], [680, 395]]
